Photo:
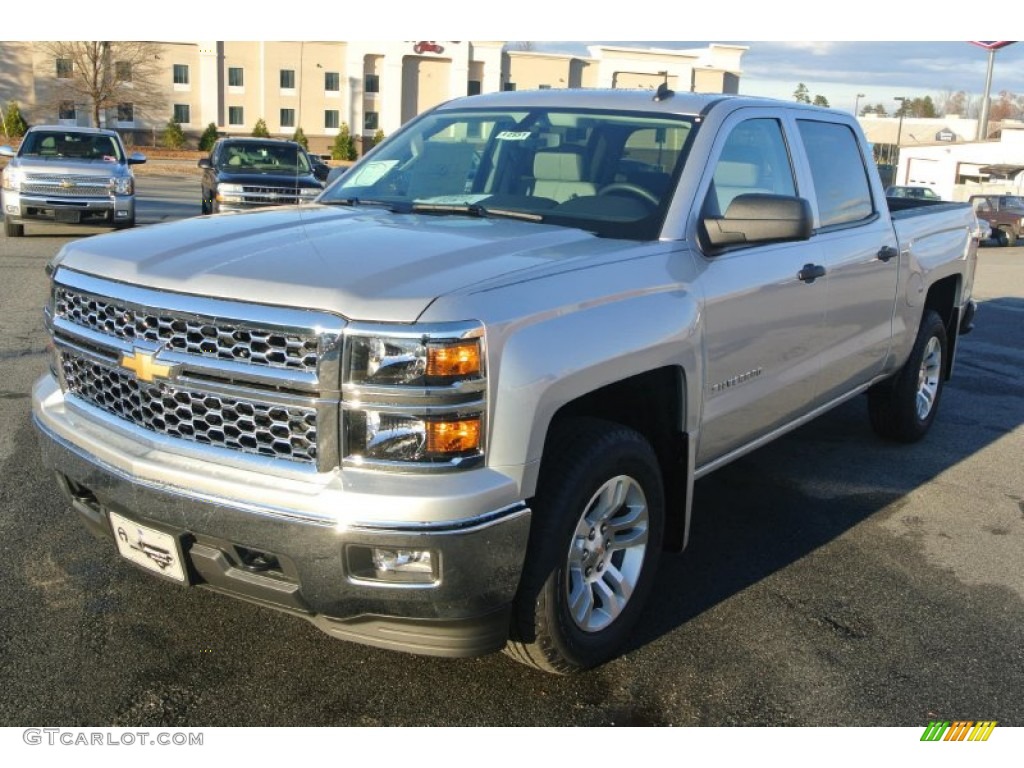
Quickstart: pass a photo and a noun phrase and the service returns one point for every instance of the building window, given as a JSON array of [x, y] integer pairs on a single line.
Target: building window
[[66, 111], [287, 118], [123, 71], [544, 87], [509, 87], [474, 88], [236, 116], [235, 77], [331, 118], [371, 121], [371, 83], [181, 74], [182, 113], [64, 68], [332, 81], [125, 113], [287, 78]]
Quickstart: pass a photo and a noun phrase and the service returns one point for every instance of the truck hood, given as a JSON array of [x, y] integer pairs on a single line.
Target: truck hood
[[66, 166], [363, 263]]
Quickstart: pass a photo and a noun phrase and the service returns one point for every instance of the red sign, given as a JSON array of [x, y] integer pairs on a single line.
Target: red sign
[[427, 46], [992, 46]]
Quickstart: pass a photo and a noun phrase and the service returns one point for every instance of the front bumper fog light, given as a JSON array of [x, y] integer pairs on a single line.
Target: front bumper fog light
[[402, 560], [393, 564]]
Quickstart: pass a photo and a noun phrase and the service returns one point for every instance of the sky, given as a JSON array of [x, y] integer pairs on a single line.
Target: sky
[[879, 70], [880, 48]]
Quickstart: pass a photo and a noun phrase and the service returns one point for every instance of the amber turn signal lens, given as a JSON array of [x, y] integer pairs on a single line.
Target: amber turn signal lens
[[454, 360], [452, 437]]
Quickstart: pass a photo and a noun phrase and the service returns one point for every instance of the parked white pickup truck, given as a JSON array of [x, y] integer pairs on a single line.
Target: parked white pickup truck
[[460, 404]]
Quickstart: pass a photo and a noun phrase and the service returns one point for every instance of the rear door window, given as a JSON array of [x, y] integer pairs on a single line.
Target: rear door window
[[837, 168]]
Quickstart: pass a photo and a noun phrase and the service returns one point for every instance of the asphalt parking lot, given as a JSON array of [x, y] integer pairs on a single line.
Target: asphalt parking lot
[[832, 579]]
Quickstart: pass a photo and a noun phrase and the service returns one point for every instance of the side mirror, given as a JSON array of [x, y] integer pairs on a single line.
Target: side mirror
[[7, 151], [760, 218], [205, 163], [321, 171], [136, 158]]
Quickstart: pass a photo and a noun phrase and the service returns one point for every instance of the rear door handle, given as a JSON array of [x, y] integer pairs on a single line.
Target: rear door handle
[[810, 273], [887, 252]]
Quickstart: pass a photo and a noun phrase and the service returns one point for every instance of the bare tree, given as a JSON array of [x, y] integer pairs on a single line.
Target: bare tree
[[105, 75]]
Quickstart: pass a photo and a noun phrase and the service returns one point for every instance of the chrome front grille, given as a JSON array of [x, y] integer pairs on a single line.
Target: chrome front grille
[[66, 186], [270, 195], [245, 425], [234, 380], [206, 337]]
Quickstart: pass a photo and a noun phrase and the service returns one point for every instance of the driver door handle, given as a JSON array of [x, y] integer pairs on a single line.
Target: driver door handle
[[810, 273]]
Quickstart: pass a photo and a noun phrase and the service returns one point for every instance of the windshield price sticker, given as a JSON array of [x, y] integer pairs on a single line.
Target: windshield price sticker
[[513, 136]]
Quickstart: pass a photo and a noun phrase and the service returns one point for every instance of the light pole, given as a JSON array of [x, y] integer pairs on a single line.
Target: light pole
[[899, 131], [856, 105]]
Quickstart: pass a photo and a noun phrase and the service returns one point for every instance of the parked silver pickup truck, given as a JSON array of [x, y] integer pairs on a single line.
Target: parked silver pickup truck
[[460, 404], [69, 175]]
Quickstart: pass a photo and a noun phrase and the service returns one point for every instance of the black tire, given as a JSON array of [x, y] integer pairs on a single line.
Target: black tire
[[566, 569], [903, 408], [13, 230]]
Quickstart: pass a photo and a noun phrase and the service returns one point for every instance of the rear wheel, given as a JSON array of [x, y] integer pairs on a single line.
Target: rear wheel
[[11, 229], [903, 408], [596, 533]]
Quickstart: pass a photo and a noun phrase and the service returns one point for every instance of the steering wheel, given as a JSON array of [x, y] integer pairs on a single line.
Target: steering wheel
[[635, 189]]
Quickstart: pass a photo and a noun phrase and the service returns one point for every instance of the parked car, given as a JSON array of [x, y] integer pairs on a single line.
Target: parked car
[[1004, 213], [245, 173], [918, 193], [321, 170], [69, 175]]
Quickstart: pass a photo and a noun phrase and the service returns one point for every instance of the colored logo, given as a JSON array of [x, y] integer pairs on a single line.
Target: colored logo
[[961, 730], [145, 367]]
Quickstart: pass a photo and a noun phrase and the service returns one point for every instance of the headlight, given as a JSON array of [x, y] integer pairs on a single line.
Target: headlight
[[12, 179], [416, 399], [122, 185], [309, 195], [229, 193]]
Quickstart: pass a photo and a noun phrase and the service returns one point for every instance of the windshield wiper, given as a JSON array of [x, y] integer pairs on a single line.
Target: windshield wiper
[[475, 209], [358, 201]]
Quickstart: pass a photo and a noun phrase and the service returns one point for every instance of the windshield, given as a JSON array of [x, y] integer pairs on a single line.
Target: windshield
[[1011, 201], [261, 158], [607, 172], [67, 144]]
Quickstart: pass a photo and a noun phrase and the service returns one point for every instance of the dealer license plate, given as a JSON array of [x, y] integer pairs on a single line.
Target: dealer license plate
[[149, 548], [67, 217]]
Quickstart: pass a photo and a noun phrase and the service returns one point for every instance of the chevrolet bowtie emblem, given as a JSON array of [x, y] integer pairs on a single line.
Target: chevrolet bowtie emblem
[[67, 184], [145, 367]]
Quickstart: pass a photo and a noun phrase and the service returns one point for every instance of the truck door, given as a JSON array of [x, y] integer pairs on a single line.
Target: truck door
[[764, 324], [857, 245]]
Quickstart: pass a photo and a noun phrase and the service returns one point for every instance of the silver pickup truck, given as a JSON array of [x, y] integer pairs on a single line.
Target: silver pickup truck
[[69, 175], [460, 404]]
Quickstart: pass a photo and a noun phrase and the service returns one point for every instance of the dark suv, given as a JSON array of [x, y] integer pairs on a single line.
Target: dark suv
[[245, 173]]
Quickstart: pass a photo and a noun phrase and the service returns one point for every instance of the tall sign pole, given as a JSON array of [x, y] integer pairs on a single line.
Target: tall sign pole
[[986, 99]]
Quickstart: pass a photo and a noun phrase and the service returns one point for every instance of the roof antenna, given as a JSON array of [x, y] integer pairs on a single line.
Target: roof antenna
[[664, 92]]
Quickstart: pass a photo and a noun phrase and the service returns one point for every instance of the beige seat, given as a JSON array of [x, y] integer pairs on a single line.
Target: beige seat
[[559, 176]]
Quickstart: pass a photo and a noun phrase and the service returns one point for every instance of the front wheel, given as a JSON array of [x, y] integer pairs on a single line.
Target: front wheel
[[903, 409], [598, 521]]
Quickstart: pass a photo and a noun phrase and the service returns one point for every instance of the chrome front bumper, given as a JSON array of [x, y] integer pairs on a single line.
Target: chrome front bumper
[[316, 543], [29, 207]]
